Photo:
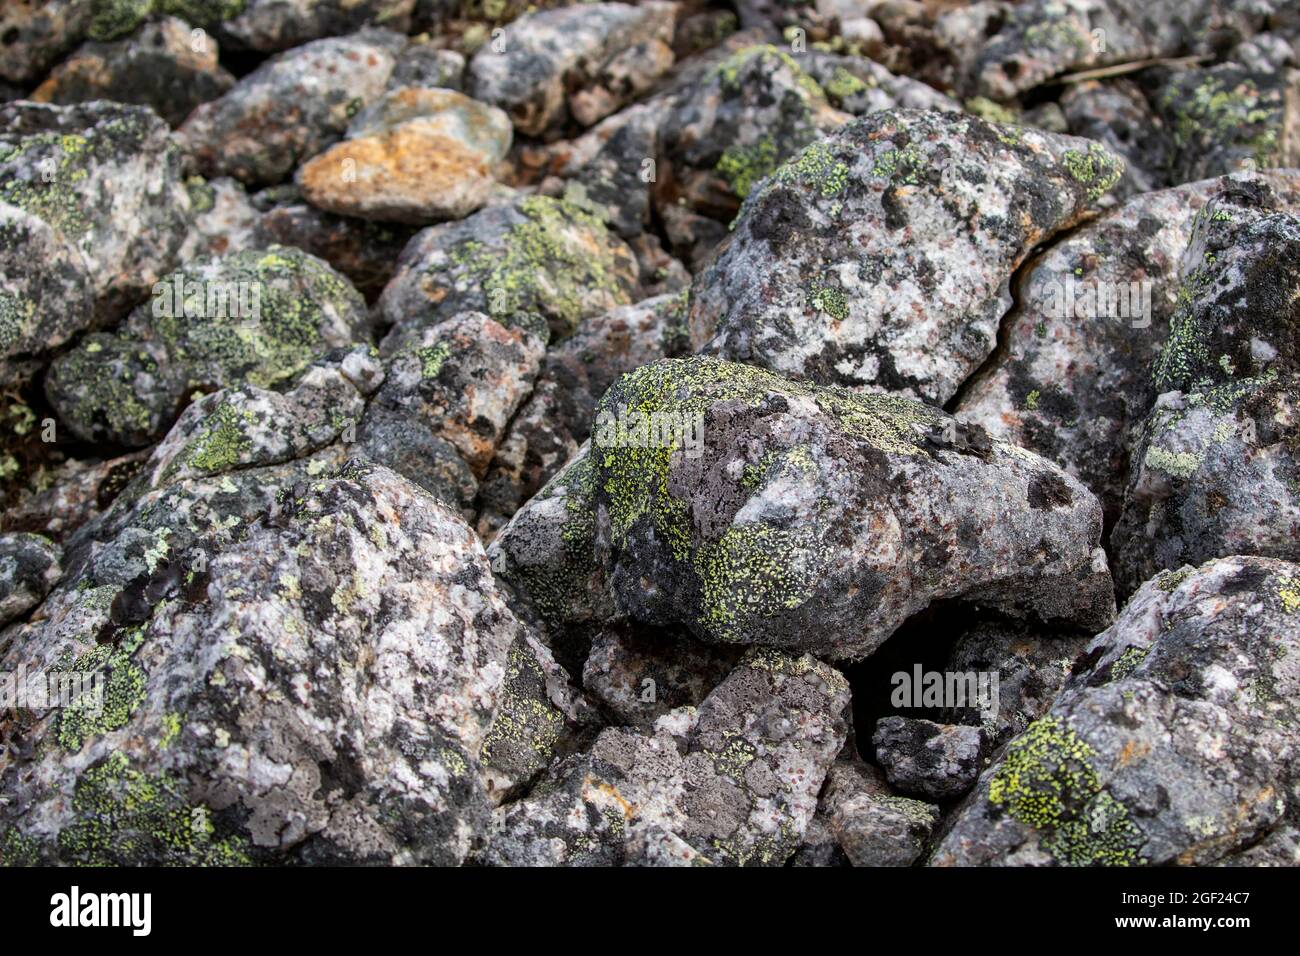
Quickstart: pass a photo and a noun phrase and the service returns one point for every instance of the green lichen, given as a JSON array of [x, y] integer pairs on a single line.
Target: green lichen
[[844, 85], [728, 72], [221, 443], [123, 691], [1128, 662], [742, 166], [829, 300], [1096, 168], [1224, 107], [1289, 592], [18, 850], [432, 358], [1047, 781], [113, 19], [123, 817], [1170, 580], [526, 726], [987, 109], [905, 165], [551, 263], [817, 167], [60, 161], [1181, 464]]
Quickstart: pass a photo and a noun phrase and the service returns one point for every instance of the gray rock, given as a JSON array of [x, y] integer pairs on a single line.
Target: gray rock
[[576, 63], [96, 190], [1211, 470], [320, 690], [925, 759], [741, 792], [639, 675], [536, 255], [1116, 113], [1073, 381], [270, 25], [1172, 742], [752, 509], [159, 66], [289, 108], [871, 825], [257, 316], [29, 568], [37, 34], [881, 255], [423, 64], [225, 219]]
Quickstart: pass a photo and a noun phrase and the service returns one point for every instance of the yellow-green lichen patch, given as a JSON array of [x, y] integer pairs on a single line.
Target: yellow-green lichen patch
[[221, 443], [123, 817], [527, 725], [904, 164], [113, 19], [843, 85], [1289, 592], [1225, 105], [743, 165], [109, 703], [1128, 662], [1095, 168], [552, 262], [752, 573], [432, 358], [817, 167], [59, 161], [1047, 781], [1180, 464], [771, 57]]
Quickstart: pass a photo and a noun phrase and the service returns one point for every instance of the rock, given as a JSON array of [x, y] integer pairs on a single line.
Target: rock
[[1117, 114], [96, 190], [36, 35], [871, 825], [1172, 741], [159, 66], [1073, 382], [877, 258], [576, 63], [423, 64], [752, 509], [269, 711], [722, 136], [225, 219], [1227, 118], [29, 568], [1210, 469], [536, 255], [413, 156], [545, 554], [271, 25], [557, 417], [925, 759], [78, 490], [860, 86], [457, 385], [1029, 668], [289, 108], [263, 315], [742, 793], [365, 252], [639, 675]]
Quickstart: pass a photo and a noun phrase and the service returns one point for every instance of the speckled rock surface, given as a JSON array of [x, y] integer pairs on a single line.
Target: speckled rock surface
[[1215, 467], [95, 192], [536, 255], [1073, 381], [289, 108], [880, 255], [928, 760], [869, 824], [1173, 742], [753, 509], [159, 66], [577, 63], [739, 790], [29, 568], [209, 713], [37, 34], [257, 316]]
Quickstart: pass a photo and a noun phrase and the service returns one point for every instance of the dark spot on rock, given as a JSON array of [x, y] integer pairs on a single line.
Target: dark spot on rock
[[1049, 491]]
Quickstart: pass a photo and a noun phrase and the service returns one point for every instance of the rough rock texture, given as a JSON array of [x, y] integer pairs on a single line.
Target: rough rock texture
[[92, 207], [576, 63], [447, 399], [741, 790], [289, 108], [870, 824], [1030, 671], [880, 255], [414, 156], [537, 255], [160, 66], [35, 35], [29, 568], [257, 316], [267, 699], [1215, 469], [1173, 742], [753, 509], [925, 759], [276, 24], [557, 417], [1073, 381]]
